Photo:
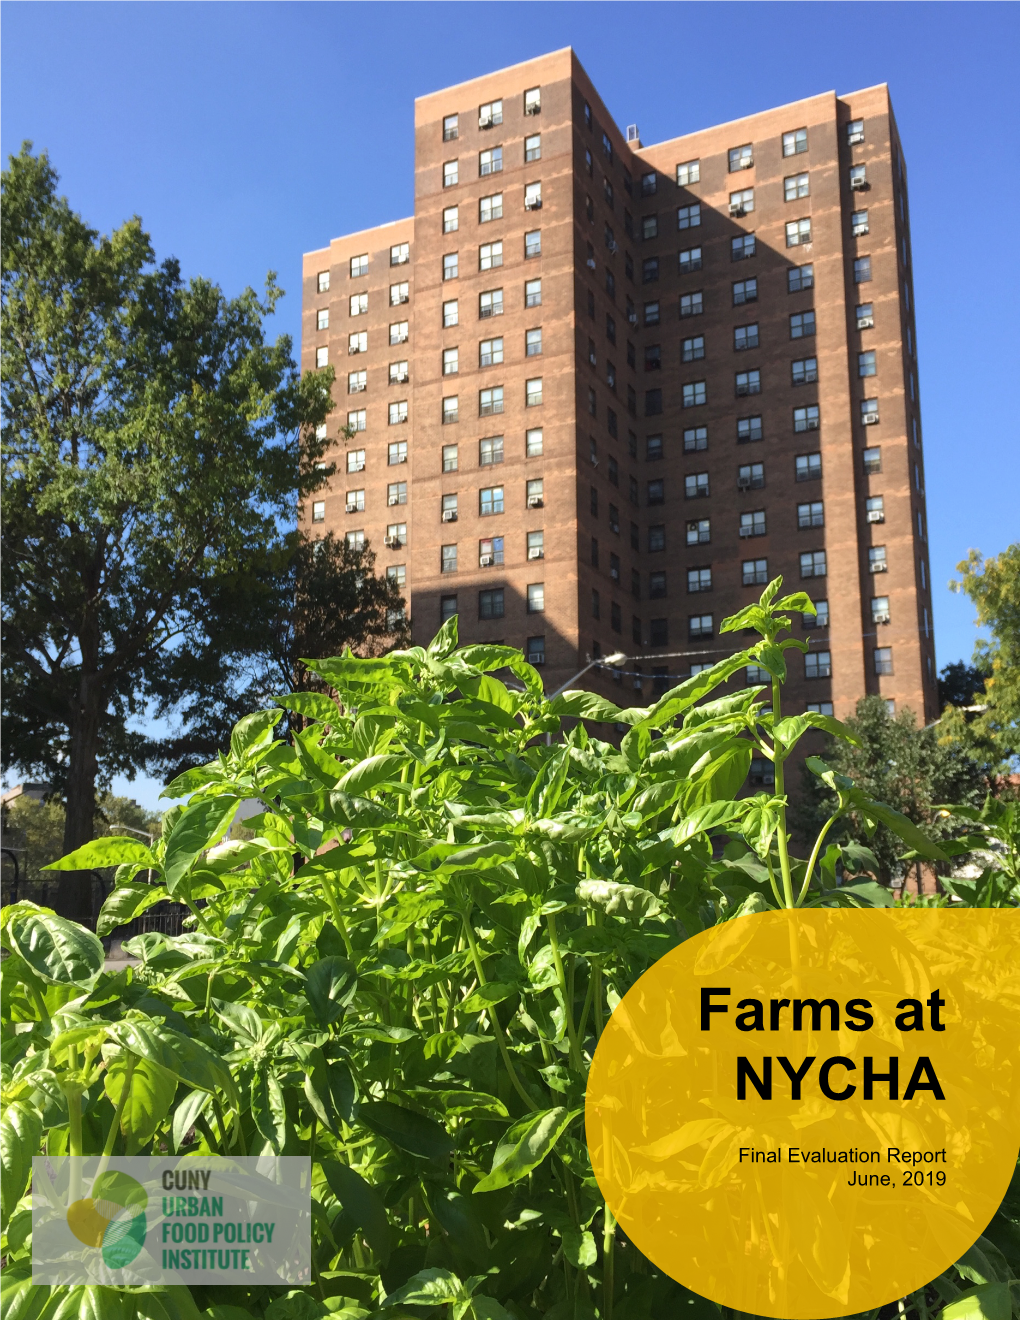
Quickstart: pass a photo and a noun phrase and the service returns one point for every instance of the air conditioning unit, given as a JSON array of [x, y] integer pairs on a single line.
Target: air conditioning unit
[[743, 483], [535, 501], [736, 208], [532, 203], [393, 499], [352, 508], [869, 419], [449, 515], [745, 162], [876, 516], [860, 230], [485, 561], [865, 323], [400, 339], [354, 348], [533, 108], [404, 297], [590, 263], [536, 552], [747, 531], [880, 618], [401, 458], [854, 138], [392, 542], [878, 568], [358, 388], [358, 467], [402, 379], [402, 418], [485, 121], [632, 318], [858, 183]]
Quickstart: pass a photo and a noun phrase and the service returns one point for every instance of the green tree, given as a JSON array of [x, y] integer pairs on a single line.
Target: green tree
[[310, 600], [993, 585], [154, 440], [894, 762]]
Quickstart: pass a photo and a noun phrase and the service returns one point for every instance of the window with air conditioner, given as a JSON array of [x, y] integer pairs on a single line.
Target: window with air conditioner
[[490, 114], [877, 561], [357, 342], [820, 617], [869, 412], [398, 412], [400, 254], [396, 534], [534, 493], [355, 460], [399, 331], [536, 650], [859, 225], [399, 294], [865, 316], [490, 552], [751, 476], [396, 452], [804, 371], [811, 515], [880, 609], [807, 418], [858, 177], [874, 508], [741, 158], [396, 492], [399, 374], [532, 196], [536, 545]]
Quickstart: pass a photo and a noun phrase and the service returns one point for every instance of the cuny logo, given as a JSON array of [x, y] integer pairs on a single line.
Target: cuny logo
[[112, 1218]]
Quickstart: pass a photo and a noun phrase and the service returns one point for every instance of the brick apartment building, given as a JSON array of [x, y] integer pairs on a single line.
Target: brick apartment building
[[603, 392]]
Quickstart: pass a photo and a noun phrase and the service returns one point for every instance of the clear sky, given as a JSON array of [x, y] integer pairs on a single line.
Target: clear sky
[[246, 134]]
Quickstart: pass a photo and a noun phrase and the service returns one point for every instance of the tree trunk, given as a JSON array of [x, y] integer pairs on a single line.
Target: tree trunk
[[74, 892]]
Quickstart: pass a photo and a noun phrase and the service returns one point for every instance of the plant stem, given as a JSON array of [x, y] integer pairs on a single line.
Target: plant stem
[[608, 1262], [111, 1136], [568, 1007], [814, 856], [778, 758], [497, 1026]]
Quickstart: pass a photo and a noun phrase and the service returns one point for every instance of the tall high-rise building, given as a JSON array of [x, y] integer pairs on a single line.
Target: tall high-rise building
[[602, 392]]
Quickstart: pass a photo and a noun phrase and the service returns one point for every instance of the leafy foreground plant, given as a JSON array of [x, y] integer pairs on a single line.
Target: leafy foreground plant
[[405, 975]]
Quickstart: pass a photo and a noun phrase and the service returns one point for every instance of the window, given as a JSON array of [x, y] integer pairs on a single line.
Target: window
[[811, 515], [748, 430], [451, 314], [812, 563], [742, 247], [533, 392], [747, 382], [866, 317], [691, 304], [695, 438], [607, 147], [355, 460], [799, 278], [357, 342], [451, 127], [533, 443], [656, 492], [533, 101], [804, 371], [536, 545], [490, 604], [610, 329], [858, 177], [451, 174], [818, 664], [699, 625], [653, 402], [490, 552], [490, 303], [808, 467], [399, 294], [532, 196], [490, 450], [395, 453], [490, 500], [873, 460], [398, 373], [322, 319], [490, 255], [649, 227], [356, 539], [356, 382], [795, 186], [323, 281], [449, 458], [862, 270], [356, 419], [536, 650], [451, 410], [875, 509], [699, 579], [656, 537], [798, 232], [696, 485], [820, 618], [533, 342], [855, 132], [754, 572], [657, 585], [690, 260], [806, 419], [795, 142], [319, 511], [451, 220], [396, 535], [745, 291], [741, 158], [490, 113], [693, 350], [396, 492], [859, 224], [534, 492], [533, 244], [536, 598], [866, 363], [883, 660], [322, 357], [658, 635], [869, 412], [745, 336], [447, 604], [880, 609], [490, 208], [451, 361], [753, 524], [877, 562], [802, 325], [320, 434], [490, 401], [398, 333], [742, 202], [699, 531], [653, 448], [751, 476], [687, 173], [490, 161], [688, 217], [359, 266], [532, 293], [490, 352], [613, 471], [397, 574]]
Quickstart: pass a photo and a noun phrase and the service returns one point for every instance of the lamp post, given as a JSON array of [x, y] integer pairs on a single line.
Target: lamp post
[[613, 661]]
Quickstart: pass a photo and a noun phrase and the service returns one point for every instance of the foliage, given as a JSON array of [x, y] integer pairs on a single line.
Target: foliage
[[39, 828], [993, 585], [961, 684], [405, 973], [895, 762], [151, 443], [309, 599]]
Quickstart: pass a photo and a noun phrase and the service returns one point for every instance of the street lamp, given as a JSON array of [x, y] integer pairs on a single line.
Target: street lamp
[[614, 661]]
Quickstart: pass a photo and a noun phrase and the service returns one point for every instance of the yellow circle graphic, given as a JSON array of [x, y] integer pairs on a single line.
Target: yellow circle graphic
[[779, 1097]]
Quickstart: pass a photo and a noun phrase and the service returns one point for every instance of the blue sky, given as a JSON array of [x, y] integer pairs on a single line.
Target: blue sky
[[246, 134]]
